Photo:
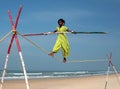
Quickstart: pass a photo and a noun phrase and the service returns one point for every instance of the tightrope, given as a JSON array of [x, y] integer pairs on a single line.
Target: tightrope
[[46, 52], [5, 36]]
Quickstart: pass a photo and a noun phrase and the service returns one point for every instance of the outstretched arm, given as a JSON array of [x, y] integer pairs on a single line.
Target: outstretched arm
[[69, 30], [55, 31]]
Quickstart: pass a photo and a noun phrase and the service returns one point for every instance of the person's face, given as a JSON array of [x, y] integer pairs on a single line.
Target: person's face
[[60, 23]]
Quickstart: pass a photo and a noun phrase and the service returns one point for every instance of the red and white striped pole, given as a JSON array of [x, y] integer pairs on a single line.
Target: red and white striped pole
[[114, 69], [109, 62], [14, 36]]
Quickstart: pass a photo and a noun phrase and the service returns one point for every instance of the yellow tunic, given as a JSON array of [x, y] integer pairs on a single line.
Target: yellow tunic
[[62, 42]]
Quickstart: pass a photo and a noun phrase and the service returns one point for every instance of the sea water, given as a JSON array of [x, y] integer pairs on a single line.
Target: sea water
[[51, 74]]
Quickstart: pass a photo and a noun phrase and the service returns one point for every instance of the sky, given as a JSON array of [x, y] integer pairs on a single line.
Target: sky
[[39, 16]]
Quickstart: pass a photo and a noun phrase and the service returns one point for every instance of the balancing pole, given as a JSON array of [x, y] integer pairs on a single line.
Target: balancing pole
[[14, 36]]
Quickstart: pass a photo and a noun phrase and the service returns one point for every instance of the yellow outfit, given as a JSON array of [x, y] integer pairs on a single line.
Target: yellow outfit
[[62, 42]]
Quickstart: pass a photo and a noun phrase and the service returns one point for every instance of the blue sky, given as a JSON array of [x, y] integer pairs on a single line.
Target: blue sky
[[80, 15]]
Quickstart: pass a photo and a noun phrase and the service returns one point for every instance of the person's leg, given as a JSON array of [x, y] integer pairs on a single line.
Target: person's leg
[[65, 50], [56, 48]]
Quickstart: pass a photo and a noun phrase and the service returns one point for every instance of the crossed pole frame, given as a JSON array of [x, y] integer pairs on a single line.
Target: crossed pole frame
[[110, 64], [14, 37]]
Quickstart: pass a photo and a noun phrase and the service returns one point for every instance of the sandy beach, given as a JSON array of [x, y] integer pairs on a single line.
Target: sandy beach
[[92, 82]]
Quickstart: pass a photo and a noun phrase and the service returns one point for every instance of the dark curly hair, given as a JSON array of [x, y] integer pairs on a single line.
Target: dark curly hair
[[61, 20]]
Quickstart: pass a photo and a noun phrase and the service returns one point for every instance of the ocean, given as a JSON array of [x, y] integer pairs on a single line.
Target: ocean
[[51, 74]]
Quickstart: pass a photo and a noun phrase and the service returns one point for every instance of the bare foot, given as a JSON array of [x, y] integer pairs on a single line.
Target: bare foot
[[64, 60], [51, 54]]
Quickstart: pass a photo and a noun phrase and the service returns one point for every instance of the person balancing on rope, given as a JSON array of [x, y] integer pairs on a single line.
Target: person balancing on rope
[[62, 40]]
